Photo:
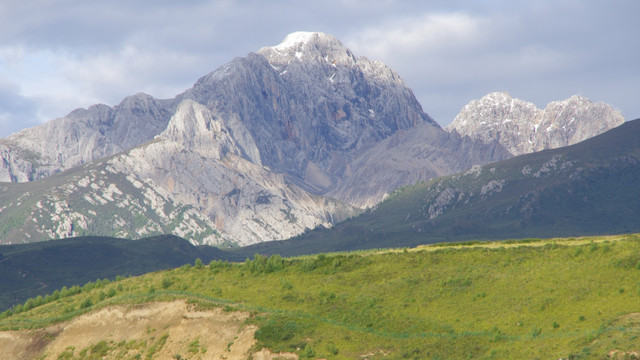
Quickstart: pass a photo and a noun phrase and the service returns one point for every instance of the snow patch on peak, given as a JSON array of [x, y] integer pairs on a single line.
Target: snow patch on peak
[[295, 38], [312, 47]]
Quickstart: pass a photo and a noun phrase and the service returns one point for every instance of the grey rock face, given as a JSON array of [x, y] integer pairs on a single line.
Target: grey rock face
[[198, 163], [309, 104], [190, 181], [98, 199], [410, 156], [522, 128], [82, 136], [258, 149]]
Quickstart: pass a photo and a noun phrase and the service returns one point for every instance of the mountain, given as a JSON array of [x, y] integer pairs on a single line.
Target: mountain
[[28, 270], [408, 156], [589, 188], [165, 186], [298, 135], [97, 199], [309, 105], [273, 131], [522, 128], [82, 136]]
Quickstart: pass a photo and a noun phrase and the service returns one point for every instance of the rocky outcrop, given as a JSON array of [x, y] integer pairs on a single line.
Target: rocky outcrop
[[259, 149], [97, 199], [522, 128], [198, 163], [82, 136], [191, 180], [309, 105], [409, 156]]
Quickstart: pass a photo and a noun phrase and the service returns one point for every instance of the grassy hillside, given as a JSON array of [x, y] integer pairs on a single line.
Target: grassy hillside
[[590, 188], [28, 270], [533, 299]]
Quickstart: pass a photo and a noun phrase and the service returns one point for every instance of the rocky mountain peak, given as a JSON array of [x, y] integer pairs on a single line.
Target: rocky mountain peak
[[196, 128], [491, 111], [308, 46], [521, 127]]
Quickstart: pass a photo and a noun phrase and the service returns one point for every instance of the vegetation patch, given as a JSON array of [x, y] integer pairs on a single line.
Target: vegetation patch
[[529, 299]]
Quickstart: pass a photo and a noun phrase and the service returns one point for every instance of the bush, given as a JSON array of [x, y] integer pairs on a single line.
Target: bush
[[286, 285], [166, 283], [308, 353], [100, 349], [261, 264], [111, 292], [274, 263], [308, 265], [276, 330], [86, 303], [217, 265]]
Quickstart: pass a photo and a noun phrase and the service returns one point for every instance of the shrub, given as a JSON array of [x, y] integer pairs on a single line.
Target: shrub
[[100, 349], [308, 265], [276, 330], [308, 353], [274, 263], [86, 303], [286, 285], [198, 264], [166, 283], [111, 292]]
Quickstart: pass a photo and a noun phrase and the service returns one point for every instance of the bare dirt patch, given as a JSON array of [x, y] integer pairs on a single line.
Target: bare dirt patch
[[166, 330]]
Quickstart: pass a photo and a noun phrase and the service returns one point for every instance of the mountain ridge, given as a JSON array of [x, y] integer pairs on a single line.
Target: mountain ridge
[[266, 147], [589, 188], [515, 123]]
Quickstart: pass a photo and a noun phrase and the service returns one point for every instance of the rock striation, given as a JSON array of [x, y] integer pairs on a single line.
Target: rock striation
[[197, 161], [295, 136], [309, 105], [82, 136], [523, 128]]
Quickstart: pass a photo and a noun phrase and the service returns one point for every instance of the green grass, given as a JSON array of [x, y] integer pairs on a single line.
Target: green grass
[[534, 299]]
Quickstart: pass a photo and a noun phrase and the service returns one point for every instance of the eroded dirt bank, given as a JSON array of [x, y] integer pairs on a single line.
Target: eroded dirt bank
[[164, 330]]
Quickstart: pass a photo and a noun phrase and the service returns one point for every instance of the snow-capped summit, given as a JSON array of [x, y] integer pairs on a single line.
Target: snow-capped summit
[[308, 46], [297, 37]]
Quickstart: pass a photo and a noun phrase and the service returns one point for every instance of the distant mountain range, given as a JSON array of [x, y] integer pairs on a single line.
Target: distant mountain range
[[589, 188], [269, 146]]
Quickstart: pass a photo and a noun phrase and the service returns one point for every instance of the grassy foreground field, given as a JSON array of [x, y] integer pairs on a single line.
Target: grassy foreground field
[[530, 299]]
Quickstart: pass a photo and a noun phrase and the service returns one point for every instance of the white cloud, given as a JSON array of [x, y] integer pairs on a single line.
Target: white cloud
[[429, 33]]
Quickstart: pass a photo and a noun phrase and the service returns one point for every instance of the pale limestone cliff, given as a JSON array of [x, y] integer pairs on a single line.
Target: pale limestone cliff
[[522, 128]]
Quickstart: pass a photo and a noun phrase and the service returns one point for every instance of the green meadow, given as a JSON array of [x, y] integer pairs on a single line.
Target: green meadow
[[529, 299]]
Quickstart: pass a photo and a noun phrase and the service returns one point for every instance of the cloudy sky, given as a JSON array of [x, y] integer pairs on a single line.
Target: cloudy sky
[[58, 55]]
